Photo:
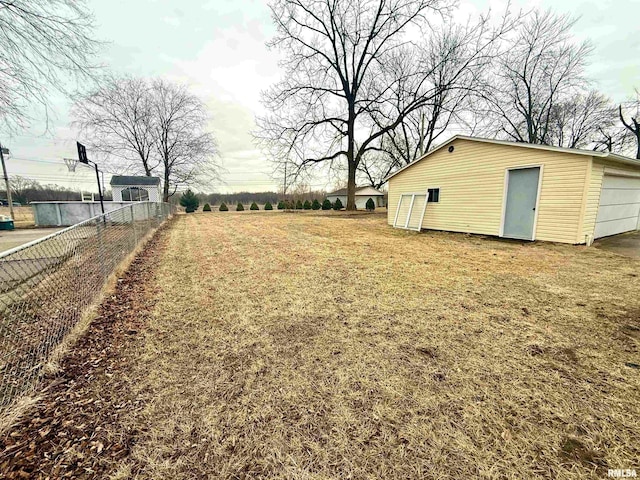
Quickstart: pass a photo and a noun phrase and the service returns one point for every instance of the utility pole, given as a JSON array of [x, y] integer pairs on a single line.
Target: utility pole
[[284, 187], [6, 180]]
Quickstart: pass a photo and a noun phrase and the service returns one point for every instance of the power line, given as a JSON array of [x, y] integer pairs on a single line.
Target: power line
[[35, 160], [53, 162], [67, 180], [232, 172], [61, 164], [86, 177], [71, 177], [52, 176]]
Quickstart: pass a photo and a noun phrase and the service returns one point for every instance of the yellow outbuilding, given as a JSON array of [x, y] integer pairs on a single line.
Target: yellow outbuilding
[[517, 190]]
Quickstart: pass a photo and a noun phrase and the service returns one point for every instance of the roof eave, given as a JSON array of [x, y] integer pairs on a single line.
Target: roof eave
[[134, 184], [620, 159], [340, 193], [588, 153]]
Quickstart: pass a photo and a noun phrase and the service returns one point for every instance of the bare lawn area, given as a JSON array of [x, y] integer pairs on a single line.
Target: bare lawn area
[[23, 216], [304, 346]]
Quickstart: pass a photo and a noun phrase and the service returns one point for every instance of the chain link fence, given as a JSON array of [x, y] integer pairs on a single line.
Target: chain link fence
[[46, 286]]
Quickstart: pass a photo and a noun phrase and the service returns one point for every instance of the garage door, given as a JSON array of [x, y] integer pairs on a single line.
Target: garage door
[[619, 206]]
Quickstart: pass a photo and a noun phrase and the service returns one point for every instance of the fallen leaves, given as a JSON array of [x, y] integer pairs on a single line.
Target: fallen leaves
[[75, 431]]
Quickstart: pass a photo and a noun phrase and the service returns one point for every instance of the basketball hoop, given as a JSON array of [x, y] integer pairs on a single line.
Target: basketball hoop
[[71, 164]]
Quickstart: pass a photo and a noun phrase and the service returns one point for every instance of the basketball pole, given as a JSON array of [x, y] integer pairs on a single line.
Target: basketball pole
[[82, 158], [95, 165]]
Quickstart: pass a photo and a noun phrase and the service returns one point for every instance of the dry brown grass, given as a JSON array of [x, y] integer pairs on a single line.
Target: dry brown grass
[[314, 347], [327, 346], [23, 216]]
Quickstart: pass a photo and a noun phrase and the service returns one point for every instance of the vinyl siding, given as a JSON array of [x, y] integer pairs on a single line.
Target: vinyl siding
[[593, 199], [472, 179]]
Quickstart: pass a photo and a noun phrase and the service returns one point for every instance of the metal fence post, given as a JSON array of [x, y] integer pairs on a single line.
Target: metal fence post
[[100, 250], [133, 224]]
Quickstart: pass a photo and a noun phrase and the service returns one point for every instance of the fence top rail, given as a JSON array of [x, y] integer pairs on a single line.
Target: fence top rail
[[24, 246], [80, 201]]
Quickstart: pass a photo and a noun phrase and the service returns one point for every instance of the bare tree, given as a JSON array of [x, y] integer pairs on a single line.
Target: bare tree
[[117, 120], [542, 67], [333, 52], [152, 128], [347, 63], [580, 120], [43, 45], [453, 58], [612, 137], [20, 188], [633, 125], [26, 190], [185, 147]]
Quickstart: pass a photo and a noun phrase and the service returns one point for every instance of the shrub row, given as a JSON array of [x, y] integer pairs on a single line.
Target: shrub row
[[239, 208], [307, 205], [283, 204]]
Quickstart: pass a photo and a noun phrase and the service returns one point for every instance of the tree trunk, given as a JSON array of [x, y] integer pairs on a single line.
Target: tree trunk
[[351, 159], [165, 190], [351, 187], [635, 129]]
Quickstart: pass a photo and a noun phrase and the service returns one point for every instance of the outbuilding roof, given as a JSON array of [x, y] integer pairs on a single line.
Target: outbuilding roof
[[576, 151], [343, 191], [132, 180]]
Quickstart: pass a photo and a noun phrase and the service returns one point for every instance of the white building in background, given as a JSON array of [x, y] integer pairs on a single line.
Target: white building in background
[[362, 195], [127, 188]]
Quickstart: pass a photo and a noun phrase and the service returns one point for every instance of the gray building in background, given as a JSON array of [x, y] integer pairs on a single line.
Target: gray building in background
[[126, 189], [129, 188]]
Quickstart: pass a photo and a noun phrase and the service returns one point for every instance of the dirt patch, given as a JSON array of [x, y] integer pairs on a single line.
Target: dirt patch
[[430, 352], [574, 450], [632, 331], [626, 329], [567, 354], [534, 350]]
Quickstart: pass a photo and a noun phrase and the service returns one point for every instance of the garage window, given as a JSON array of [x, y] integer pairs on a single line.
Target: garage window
[[434, 195]]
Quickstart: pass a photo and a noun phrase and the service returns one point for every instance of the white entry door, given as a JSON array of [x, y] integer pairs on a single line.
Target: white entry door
[[523, 185], [619, 208]]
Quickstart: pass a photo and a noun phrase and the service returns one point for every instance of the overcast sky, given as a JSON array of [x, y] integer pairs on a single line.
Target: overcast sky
[[218, 48]]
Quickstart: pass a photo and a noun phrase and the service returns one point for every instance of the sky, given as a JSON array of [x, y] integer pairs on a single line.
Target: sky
[[218, 48]]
